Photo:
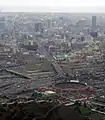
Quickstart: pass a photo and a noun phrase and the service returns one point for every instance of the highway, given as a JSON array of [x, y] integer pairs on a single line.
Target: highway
[[83, 67], [47, 55]]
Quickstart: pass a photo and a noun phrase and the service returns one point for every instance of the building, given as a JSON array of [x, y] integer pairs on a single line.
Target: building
[[2, 24], [49, 23], [39, 27], [93, 22]]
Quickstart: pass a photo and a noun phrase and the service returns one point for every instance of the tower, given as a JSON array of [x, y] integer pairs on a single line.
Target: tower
[[39, 27], [49, 23], [93, 22], [2, 24]]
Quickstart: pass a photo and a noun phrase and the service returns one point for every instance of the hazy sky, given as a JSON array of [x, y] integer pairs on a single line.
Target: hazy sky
[[53, 5]]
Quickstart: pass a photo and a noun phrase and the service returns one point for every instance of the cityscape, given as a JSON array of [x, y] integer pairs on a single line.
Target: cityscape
[[52, 66]]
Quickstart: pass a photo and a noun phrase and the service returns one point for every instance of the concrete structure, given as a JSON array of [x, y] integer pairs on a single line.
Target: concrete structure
[[93, 23], [2, 24], [38, 27]]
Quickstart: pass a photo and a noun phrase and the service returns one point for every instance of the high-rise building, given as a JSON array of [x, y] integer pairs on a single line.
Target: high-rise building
[[39, 27], [2, 23], [49, 23], [93, 22]]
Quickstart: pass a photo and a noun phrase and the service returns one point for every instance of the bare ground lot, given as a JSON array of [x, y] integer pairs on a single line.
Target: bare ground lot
[[36, 67]]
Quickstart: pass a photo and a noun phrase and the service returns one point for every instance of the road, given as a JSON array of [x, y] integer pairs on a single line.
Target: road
[[47, 55], [95, 103]]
